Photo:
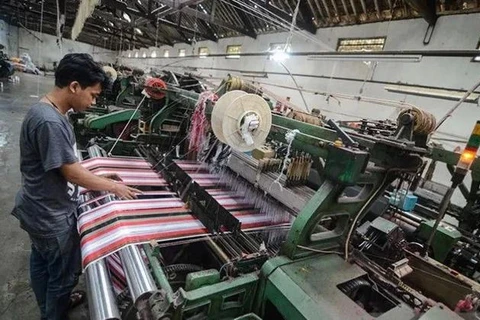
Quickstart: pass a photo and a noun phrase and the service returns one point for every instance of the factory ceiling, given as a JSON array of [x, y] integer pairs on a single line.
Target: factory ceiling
[[128, 24]]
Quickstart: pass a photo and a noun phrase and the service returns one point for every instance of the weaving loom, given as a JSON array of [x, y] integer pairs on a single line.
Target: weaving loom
[[257, 226], [108, 227]]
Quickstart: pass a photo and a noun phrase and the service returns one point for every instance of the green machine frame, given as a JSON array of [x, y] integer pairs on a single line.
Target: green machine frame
[[296, 282]]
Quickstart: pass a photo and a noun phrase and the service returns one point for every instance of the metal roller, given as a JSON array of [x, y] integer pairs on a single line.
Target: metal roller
[[101, 299], [139, 279]]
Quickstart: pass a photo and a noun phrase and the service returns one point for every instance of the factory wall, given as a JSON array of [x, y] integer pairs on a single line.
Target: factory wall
[[18, 41], [451, 33]]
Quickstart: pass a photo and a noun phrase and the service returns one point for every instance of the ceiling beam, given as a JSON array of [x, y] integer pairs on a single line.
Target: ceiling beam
[[280, 13], [345, 8], [99, 26], [308, 16], [354, 8], [246, 21], [377, 7], [335, 8], [327, 9], [210, 32], [153, 20], [125, 24], [208, 18], [364, 6]]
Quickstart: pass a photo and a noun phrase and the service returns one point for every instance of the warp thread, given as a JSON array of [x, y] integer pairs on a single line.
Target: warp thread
[[289, 137], [266, 205]]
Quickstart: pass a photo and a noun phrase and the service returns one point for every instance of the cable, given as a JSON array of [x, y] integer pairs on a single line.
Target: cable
[[367, 203], [126, 126], [292, 26], [270, 17], [317, 250], [298, 87], [455, 107]]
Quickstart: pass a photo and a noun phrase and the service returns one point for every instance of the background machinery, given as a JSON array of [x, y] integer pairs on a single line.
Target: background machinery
[[267, 216]]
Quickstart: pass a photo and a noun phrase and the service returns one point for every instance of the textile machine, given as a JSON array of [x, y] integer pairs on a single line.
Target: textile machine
[[262, 216], [123, 111]]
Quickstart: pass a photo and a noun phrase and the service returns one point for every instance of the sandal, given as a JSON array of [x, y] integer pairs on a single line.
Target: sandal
[[77, 297]]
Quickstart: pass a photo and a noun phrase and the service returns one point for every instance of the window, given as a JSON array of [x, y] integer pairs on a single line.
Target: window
[[279, 51], [360, 44], [203, 52], [144, 55], [166, 53], [233, 52], [153, 54], [136, 54], [276, 47], [181, 52], [477, 58], [129, 54]]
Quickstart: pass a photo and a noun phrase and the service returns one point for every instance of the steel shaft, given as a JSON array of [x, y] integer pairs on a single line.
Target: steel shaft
[[139, 279], [101, 299]]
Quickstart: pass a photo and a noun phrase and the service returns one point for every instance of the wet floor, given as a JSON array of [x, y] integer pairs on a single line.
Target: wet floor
[[16, 297]]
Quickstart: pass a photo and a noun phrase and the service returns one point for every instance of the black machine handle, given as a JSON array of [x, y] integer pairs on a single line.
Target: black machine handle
[[346, 139]]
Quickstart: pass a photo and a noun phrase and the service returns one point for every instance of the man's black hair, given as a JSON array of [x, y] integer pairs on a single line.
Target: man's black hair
[[79, 67]]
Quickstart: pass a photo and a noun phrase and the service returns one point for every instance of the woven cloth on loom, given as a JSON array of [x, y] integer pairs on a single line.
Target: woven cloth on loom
[[114, 225], [110, 227]]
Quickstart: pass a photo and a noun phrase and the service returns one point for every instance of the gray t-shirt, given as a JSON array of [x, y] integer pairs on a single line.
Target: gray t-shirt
[[46, 203]]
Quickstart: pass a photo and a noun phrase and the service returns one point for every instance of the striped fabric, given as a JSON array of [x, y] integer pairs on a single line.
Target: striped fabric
[[111, 226]]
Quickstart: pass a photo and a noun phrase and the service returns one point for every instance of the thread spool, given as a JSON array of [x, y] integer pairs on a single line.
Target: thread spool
[[237, 83], [112, 73], [228, 118], [151, 87], [424, 122]]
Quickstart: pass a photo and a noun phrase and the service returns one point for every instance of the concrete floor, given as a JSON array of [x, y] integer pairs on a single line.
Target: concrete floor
[[17, 300]]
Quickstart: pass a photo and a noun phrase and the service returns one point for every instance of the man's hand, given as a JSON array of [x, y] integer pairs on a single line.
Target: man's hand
[[75, 173], [111, 176], [125, 192]]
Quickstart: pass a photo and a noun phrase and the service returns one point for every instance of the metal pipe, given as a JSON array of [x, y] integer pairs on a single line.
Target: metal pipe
[[343, 54], [441, 214], [101, 299], [411, 216], [405, 226], [139, 279], [406, 220], [158, 273], [222, 255]]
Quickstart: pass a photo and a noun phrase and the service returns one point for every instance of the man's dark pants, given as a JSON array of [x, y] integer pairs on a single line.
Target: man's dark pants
[[55, 264]]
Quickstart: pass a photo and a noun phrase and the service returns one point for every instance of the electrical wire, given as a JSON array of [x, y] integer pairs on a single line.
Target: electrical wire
[[296, 84], [455, 107], [126, 126], [269, 17], [319, 251], [368, 202]]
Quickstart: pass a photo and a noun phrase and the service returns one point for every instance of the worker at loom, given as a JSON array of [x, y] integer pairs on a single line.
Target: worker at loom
[[47, 201]]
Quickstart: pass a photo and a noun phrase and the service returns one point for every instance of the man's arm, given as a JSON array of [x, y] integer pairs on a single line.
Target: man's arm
[[75, 173]]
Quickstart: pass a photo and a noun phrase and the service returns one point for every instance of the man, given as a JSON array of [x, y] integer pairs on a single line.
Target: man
[[46, 203]]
